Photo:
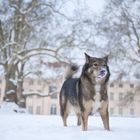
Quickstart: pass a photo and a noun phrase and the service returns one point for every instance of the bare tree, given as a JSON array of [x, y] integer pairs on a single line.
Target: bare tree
[[21, 38], [119, 26]]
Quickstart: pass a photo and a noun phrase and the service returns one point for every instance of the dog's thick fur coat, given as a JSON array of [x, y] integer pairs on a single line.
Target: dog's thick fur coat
[[88, 93]]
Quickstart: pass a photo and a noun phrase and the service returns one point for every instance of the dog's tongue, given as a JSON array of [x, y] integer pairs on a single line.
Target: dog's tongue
[[101, 75]]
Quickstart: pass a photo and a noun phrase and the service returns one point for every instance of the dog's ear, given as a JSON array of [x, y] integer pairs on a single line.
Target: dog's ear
[[106, 58], [87, 58]]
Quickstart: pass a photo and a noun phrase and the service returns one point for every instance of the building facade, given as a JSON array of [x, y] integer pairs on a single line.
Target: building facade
[[124, 99], [42, 97], [2, 88]]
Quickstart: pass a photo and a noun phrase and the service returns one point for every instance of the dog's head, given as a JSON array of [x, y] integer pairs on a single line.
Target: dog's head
[[97, 68]]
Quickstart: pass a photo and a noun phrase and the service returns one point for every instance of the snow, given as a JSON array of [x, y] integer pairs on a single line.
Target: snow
[[10, 92], [12, 108], [35, 93], [37, 127], [13, 81]]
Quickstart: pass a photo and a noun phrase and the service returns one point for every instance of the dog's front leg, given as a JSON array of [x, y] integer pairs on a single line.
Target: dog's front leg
[[104, 115], [78, 118], [84, 120]]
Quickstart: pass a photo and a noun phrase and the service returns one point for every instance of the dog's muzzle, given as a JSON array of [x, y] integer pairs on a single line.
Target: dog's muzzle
[[102, 73]]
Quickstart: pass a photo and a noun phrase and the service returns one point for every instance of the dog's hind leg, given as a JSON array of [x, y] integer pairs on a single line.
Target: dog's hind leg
[[65, 113], [64, 117], [63, 107]]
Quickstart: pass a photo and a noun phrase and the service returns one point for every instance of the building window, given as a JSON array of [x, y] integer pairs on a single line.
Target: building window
[[111, 96], [52, 89], [30, 97], [120, 111], [120, 96], [0, 92], [38, 90], [53, 110], [31, 82], [30, 109], [131, 111], [54, 96], [38, 110], [131, 85], [39, 82], [112, 85], [111, 111], [120, 85], [132, 98], [38, 97]]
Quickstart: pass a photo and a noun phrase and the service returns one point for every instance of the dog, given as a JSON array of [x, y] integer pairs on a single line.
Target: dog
[[88, 93]]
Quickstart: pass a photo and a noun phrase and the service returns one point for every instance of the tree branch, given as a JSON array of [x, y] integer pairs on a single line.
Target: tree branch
[[128, 18]]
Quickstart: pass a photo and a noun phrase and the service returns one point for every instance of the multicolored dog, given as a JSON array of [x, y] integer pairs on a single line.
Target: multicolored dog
[[88, 93]]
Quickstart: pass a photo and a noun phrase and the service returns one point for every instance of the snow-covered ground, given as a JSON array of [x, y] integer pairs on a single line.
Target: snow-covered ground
[[35, 127]]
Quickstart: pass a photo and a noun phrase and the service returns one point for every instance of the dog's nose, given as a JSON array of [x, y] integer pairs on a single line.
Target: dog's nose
[[102, 71]]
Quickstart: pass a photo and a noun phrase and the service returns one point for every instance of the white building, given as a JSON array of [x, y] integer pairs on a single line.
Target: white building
[[124, 97]]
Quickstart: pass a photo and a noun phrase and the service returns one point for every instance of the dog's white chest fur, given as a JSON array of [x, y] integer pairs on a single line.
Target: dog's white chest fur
[[97, 97]]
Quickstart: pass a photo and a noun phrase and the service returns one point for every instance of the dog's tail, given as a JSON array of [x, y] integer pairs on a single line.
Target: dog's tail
[[71, 70]]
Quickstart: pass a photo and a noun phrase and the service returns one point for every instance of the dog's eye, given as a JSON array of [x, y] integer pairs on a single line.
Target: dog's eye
[[95, 64]]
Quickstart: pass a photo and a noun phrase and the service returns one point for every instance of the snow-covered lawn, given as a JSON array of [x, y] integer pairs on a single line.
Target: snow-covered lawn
[[35, 127]]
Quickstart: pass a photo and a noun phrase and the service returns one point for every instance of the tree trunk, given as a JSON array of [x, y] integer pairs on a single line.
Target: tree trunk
[[10, 85], [20, 97]]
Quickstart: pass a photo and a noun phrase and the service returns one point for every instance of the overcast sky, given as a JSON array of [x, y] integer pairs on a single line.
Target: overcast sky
[[95, 5]]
